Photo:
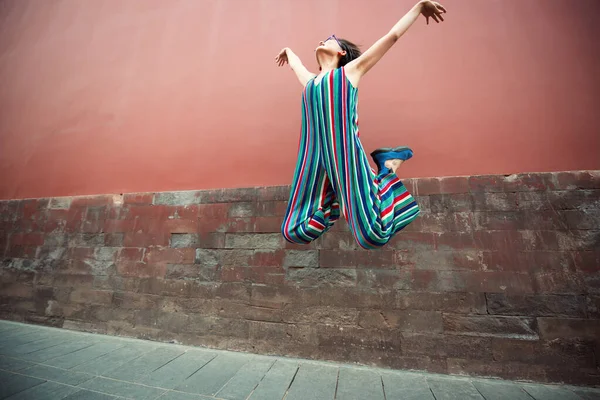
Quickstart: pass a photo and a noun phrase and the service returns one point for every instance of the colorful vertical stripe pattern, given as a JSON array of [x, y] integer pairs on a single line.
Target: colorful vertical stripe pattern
[[333, 173]]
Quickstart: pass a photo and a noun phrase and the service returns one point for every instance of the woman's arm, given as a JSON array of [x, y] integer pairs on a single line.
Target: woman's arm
[[287, 56], [357, 68]]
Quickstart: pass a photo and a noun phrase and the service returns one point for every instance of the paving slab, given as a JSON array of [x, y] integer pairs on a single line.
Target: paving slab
[[45, 391], [314, 382], [276, 381], [451, 389], [241, 385], [546, 392], [84, 355], [121, 388], [56, 351], [15, 383], [57, 374], [176, 371], [13, 364], [139, 367], [406, 386], [212, 376], [88, 395], [586, 393], [355, 383], [500, 390], [113, 360]]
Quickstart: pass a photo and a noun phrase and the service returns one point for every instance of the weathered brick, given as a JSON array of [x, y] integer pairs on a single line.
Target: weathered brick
[[428, 186], [568, 328], [119, 225], [574, 199], [113, 239], [27, 239], [350, 259], [517, 370], [273, 193], [177, 198], [191, 271], [582, 219], [322, 314], [225, 327], [138, 198], [141, 269], [253, 241], [559, 282], [169, 255], [89, 296], [86, 240], [533, 261], [579, 240], [299, 258], [529, 182], [182, 240], [403, 320], [339, 337], [443, 203], [453, 240], [571, 180], [16, 289], [93, 201], [418, 241], [312, 277], [447, 345], [467, 303], [454, 260], [145, 239], [536, 305], [230, 195], [337, 240], [267, 224], [180, 225], [486, 183], [139, 301], [480, 325], [574, 353], [60, 203], [454, 184], [56, 221], [495, 201], [243, 210]]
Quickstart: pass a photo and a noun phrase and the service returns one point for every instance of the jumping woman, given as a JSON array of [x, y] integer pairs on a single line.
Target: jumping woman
[[332, 170]]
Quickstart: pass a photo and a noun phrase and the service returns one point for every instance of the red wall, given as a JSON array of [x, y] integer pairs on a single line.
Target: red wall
[[120, 96]]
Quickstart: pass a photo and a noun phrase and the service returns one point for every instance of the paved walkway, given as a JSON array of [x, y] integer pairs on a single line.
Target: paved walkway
[[47, 363]]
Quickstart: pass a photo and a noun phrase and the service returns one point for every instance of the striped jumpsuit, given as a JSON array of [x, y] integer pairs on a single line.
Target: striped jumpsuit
[[333, 173]]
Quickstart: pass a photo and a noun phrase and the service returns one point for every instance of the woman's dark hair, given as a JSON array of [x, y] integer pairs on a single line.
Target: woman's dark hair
[[352, 52]]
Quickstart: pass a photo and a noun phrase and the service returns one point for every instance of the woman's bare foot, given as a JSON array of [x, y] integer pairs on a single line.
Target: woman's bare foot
[[393, 164]]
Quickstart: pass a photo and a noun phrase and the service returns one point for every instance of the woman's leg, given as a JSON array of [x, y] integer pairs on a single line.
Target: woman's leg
[[376, 206], [313, 207]]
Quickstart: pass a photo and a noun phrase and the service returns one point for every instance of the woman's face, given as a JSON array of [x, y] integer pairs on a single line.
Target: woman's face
[[331, 45]]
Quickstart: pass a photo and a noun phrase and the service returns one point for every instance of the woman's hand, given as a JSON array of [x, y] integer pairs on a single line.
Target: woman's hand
[[282, 57], [432, 9]]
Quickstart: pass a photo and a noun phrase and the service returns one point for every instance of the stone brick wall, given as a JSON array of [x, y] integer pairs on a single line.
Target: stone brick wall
[[498, 277]]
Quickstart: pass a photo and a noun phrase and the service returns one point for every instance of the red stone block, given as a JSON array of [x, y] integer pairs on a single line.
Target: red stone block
[[443, 203], [268, 258], [218, 211], [576, 219], [146, 212], [411, 185], [86, 201], [453, 184], [233, 274], [273, 193], [568, 328], [499, 240], [138, 198], [145, 239], [18, 251], [563, 282], [130, 254], [141, 269], [418, 241], [170, 255], [190, 211], [379, 259], [56, 220], [274, 279], [74, 219], [529, 182], [454, 240], [486, 183], [119, 225], [267, 224], [181, 226], [427, 186], [578, 180], [587, 261], [26, 239], [81, 253]]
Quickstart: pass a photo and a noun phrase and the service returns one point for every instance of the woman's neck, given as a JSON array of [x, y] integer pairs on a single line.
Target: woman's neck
[[327, 64]]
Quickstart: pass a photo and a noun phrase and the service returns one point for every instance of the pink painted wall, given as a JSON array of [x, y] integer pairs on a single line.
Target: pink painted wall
[[144, 95]]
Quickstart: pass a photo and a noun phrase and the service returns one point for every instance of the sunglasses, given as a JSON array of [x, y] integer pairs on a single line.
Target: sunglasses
[[334, 38]]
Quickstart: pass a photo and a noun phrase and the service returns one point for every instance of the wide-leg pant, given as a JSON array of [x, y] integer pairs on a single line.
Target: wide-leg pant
[[333, 172]]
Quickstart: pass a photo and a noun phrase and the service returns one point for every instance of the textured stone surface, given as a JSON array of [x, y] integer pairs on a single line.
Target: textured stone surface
[[498, 276]]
